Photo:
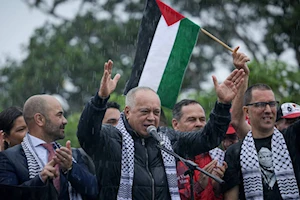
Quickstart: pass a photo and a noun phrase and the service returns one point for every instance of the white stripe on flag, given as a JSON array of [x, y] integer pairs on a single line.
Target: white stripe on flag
[[159, 53]]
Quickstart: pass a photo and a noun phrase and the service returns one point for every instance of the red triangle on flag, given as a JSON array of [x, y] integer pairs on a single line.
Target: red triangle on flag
[[171, 16]]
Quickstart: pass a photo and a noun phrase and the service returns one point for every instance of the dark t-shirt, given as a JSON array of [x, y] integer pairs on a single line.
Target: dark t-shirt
[[233, 175], [232, 157]]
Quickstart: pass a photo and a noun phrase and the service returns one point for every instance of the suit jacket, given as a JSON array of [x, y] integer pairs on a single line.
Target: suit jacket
[[14, 171], [12, 192]]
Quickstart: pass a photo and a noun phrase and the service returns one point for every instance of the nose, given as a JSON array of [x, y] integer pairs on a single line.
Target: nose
[[150, 116], [267, 108], [65, 121], [199, 123]]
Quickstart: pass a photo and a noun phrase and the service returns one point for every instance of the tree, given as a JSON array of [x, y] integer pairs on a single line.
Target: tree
[[74, 53], [281, 78], [73, 119]]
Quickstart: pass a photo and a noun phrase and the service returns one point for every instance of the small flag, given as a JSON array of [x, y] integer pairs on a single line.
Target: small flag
[[165, 43]]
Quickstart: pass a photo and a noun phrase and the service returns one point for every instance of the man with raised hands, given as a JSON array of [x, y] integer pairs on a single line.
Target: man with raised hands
[[128, 163]]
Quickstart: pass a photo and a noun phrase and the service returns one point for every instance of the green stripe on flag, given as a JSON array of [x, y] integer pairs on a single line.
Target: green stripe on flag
[[170, 84]]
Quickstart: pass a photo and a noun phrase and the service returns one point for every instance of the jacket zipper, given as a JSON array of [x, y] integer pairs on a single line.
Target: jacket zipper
[[147, 168]]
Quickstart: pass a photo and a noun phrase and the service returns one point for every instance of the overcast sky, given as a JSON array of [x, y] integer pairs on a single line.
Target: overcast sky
[[18, 22]]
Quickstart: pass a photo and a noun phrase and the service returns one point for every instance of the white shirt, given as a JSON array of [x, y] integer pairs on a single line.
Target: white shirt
[[41, 151]]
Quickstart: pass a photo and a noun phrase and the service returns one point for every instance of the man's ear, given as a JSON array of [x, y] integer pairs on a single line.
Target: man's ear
[[126, 112], [246, 110], [174, 124], [39, 119]]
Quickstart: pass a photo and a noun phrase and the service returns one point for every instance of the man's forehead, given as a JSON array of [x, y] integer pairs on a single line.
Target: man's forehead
[[258, 93], [148, 97], [191, 107]]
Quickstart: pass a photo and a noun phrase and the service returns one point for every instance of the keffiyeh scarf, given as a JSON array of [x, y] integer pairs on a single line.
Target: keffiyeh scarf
[[127, 166], [36, 165], [282, 165], [217, 154]]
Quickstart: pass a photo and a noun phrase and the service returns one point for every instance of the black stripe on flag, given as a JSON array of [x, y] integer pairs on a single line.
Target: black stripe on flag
[[151, 16]]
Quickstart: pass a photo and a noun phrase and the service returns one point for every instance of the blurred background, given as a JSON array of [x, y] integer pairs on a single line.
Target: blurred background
[[59, 47]]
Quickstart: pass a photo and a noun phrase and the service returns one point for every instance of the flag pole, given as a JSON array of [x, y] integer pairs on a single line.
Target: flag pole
[[216, 39]]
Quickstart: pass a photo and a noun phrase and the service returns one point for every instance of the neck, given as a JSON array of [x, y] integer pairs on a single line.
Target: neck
[[41, 136], [257, 134]]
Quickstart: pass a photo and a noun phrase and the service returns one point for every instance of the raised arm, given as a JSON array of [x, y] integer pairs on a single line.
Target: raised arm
[[90, 123], [213, 132], [237, 113]]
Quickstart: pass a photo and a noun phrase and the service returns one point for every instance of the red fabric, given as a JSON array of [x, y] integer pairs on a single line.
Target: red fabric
[[51, 154], [184, 182]]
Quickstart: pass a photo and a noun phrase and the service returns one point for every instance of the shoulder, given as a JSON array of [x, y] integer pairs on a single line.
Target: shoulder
[[13, 151], [13, 155], [233, 151]]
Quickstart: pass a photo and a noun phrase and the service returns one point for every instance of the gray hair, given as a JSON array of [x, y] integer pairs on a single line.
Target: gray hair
[[130, 97]]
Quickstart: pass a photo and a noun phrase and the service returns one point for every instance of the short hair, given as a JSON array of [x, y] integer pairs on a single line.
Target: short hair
[[130, 97], [35, 104], [8, 117], [248, 93], [177, 114], [113, 104]]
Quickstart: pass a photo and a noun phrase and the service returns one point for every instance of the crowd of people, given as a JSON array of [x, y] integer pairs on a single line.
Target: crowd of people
[[249, 141]]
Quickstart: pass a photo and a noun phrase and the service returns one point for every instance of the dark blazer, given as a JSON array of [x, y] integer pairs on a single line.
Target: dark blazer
[[12, 192], [14, 171]]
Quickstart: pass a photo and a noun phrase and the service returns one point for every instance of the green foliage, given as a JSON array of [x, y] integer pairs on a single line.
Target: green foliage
[[73, 120], [283, 79], [207, 100], [71, 130], [75, 50]]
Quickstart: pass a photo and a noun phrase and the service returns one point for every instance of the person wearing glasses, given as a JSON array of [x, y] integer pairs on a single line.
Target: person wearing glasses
[[265, 164]]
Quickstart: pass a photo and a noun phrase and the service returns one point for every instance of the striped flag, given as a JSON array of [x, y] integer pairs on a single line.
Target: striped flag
[[165, 43]]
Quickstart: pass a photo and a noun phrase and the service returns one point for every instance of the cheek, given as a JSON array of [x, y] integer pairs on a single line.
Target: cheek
[[17, 136]]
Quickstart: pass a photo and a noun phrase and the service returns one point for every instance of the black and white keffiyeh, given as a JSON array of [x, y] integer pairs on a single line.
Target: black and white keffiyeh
[[282, 165], [170, 167], [127, 168], [36, 165], [217, 154]]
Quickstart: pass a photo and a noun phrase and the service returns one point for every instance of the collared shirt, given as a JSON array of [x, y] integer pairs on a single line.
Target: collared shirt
[[41, 152]]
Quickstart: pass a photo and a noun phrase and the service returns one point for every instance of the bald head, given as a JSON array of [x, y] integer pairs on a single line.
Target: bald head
[[131, 95], [36, 104]]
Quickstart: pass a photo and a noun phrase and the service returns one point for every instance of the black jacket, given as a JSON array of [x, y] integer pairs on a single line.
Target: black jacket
[[103, 143]]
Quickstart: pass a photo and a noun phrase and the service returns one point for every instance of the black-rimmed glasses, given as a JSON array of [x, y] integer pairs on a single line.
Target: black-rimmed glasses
[[272, 104]]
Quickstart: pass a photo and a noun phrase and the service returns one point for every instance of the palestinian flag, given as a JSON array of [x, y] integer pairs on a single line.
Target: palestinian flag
[[165, 43]]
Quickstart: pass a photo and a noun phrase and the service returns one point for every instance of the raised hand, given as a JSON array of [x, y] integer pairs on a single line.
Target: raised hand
[[63, 156], [240, 60], [227, 90], [49, 171], [108, 85]]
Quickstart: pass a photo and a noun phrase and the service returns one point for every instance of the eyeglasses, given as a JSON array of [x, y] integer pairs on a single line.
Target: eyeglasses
[[272, 104]]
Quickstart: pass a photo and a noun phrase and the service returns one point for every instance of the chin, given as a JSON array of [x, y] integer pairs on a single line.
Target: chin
[[62, 136]]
